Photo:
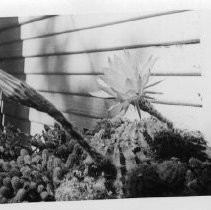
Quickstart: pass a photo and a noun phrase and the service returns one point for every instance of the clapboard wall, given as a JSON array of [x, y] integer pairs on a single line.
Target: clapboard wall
[[61, 56]]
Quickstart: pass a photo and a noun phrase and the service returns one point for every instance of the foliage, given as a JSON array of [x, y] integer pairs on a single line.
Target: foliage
[[180, 144], [12, 140], [150, 160], [34, 173], [144, 181]]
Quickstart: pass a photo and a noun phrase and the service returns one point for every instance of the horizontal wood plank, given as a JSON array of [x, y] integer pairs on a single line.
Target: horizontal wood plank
[[183, 117], [181, 89], [32, 19], [40, 117], [69, 23], [128, 35], [9, 23], [81, 105], [173, 59], [176, 103], [71, 50], [24, 125], [6, 22], [186, 89]]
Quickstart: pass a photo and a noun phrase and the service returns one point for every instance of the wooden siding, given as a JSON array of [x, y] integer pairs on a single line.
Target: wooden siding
[[61, 56]]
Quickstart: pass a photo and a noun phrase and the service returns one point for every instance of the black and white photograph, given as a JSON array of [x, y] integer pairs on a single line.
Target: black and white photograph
[[103, 106]]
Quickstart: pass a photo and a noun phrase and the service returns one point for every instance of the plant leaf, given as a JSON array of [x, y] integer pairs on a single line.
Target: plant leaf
[[105, 87]]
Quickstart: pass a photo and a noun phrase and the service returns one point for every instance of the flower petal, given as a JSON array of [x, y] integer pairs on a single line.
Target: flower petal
[[105, 87], [129, 84], [114, 79], [130, 93], [120, 96], [125, 107], [153, 84], [146, 69], [114, 110]]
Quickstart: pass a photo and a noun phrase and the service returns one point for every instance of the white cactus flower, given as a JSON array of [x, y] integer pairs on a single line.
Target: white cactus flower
[[126, 80]]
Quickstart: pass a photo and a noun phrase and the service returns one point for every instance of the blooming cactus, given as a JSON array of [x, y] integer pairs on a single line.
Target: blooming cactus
[[126, 80]]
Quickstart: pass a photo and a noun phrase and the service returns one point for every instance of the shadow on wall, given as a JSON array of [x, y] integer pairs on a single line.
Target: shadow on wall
[[54, 64], [11, 65]]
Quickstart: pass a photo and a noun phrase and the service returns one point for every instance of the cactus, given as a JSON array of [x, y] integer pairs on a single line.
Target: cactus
[[37, 159], [33, 185], [26, 171], [39, 167], [16, 183], [20, 196], [45, 155], [176, 143], [20, 161], [62, 151], [50, 145], [7, 182], [144, 181], [173, 174], [44, 195], [75, 175], [27, 159], [45, 179], [6, 192], [57, 172], [1, 181], [49, 188], [70, 146], [36, 176], [1, 163], [57, 162], [6, 166], [70, 161], [40, 188], [24, 152], [13, 163], [77, 150], [14, 172], [50, 163], [3, 200]]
